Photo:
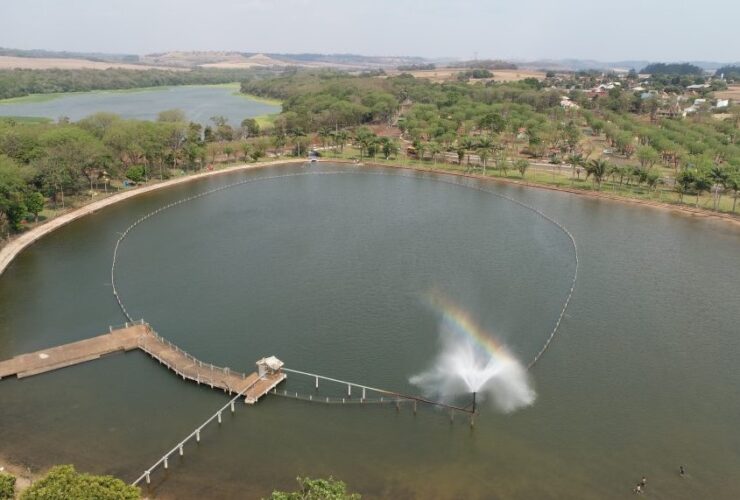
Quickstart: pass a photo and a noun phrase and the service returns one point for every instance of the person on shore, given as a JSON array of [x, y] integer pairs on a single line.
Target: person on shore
[[643, 482]]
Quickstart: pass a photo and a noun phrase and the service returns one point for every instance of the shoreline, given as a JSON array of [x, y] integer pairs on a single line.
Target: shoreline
[[21, 242], [684, 210], [18, 244]]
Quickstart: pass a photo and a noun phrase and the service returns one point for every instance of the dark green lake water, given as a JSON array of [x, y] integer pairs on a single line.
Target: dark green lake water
[[328, 272], [199, 102]]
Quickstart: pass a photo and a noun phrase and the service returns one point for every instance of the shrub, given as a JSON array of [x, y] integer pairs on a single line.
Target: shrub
[[63, 481], [7, 486]]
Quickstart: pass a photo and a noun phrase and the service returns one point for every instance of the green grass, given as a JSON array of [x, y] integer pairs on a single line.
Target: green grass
[[26, 119], [560, 180], [32, 98]]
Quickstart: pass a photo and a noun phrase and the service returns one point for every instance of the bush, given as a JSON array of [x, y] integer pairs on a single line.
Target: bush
[[63, 481], [7, 486], [135, 173], [317, 489]]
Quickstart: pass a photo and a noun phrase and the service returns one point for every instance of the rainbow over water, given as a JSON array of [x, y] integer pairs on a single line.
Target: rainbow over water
[[472, 360]]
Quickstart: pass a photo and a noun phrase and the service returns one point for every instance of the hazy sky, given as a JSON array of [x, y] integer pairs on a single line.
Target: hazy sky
[[593, 29]]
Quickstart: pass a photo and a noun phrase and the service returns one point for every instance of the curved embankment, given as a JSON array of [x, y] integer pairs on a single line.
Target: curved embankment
[[681, 209], [14, 247]]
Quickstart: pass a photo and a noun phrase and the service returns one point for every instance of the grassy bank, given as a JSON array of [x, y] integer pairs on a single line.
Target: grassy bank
[[560, 177]]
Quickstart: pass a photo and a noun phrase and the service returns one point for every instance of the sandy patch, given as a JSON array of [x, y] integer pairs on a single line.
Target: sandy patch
[[10, 62]]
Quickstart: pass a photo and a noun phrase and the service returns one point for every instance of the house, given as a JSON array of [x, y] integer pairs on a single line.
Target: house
[[566, 103]]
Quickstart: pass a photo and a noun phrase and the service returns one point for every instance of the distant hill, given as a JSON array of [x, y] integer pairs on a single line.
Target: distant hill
[[90, 56]]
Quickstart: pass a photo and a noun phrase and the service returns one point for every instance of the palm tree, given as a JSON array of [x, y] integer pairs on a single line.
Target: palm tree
[[324, 133], [575, 160], [484, 147], [720, 177], [434, 149], [598, 169], [364, 138], [467, 144]]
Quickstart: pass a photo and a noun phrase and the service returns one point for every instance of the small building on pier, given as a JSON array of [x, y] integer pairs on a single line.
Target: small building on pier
[[269, 366]]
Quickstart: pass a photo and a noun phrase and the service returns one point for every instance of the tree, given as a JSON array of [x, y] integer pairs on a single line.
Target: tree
[[317, 489], [684, 183], [702, 183], [720, 177], [250, 127], [172, 116], [484, 147], [35, 204], [364, 137], [598, 169], [647, 157], [63, 482], [434, 149], [390, 147], [7, 486], [12, 186], [246, 150], [576, 161], [521, 165]]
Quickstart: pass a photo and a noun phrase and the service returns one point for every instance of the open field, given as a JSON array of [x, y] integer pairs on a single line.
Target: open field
[[446, 74], [732, 92], [9, 62]]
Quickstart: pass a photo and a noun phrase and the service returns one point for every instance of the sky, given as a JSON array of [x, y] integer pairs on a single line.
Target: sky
[[657, 30]]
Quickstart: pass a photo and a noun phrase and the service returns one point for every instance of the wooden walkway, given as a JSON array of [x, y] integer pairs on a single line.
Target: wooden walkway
[[141, 336]]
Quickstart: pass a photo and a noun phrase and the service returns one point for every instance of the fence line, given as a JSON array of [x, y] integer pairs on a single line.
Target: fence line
[[536, 211], [180, 447]]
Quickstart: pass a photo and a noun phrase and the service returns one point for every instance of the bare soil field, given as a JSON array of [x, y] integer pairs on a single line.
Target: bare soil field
[[446, 74], [10, 62], [732, 92]]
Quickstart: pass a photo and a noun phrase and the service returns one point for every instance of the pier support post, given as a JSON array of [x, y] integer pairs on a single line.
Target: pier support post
[[197, 436], [452, 416], [219, 418], [182, 452], [166, 463], [363, 394], [414, 407], [349, 391], [232, 407], [317, 383], [148, 479]]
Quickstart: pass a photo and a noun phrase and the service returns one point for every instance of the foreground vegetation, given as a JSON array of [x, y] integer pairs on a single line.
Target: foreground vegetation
[[64, 482]]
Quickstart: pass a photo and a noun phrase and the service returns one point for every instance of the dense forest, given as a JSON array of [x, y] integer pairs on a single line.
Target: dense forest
[[672, 69], [23, 82]]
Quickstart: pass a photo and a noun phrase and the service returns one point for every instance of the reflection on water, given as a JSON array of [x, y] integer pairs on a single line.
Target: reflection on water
[[328, 273]]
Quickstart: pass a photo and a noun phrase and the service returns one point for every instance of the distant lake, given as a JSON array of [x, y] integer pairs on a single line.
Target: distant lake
[[200, 103]]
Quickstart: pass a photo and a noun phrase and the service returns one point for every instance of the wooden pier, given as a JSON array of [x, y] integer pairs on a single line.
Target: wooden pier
[[141, 336]]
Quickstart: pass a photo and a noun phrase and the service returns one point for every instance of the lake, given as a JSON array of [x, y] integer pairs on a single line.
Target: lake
[[329, 273], [200, 103]]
